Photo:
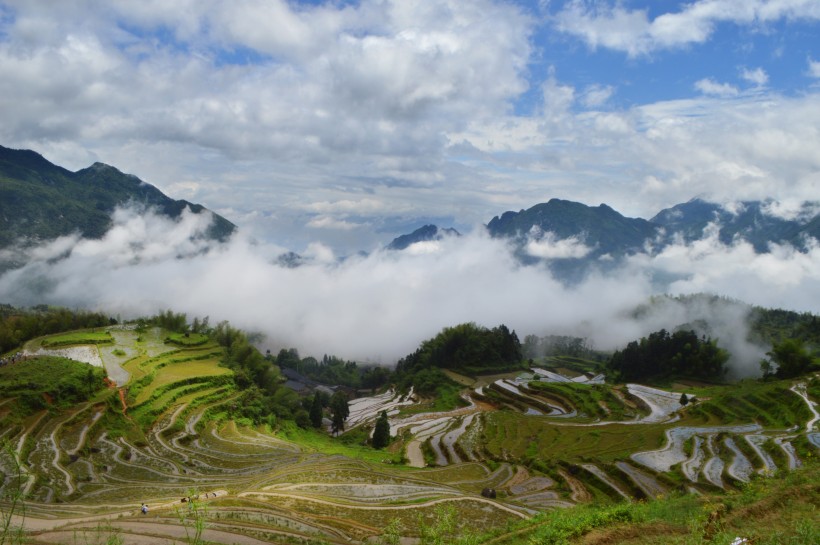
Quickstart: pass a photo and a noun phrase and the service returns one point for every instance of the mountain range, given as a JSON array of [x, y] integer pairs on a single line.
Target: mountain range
[[41, 201], [571, 237]]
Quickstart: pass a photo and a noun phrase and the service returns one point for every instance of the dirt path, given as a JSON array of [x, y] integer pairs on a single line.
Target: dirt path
[[800, 389], [430, 503], [604, 478], [415, 458], [579, 492]]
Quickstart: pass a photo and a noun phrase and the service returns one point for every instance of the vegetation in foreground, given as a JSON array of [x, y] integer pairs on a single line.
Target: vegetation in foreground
[[766, 511]]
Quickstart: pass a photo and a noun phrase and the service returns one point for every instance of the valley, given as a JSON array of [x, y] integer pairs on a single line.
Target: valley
[[160, 434]]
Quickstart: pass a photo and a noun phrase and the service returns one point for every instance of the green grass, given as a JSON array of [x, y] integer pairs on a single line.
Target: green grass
[[509, 435], [585, 398], [765, 511], [79, 337], [348, 444], [187, 339], [579, 365], [172, 367], [771, 404]]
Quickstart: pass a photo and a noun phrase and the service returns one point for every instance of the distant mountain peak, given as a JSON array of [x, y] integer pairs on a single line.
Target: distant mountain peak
[[422, 234], [42, 201]]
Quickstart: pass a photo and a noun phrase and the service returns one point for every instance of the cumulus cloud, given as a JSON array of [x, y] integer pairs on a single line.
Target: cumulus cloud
[[354, 118], [614, 26], [379, 307], [595, 96], [814, 68], [549, 246], [708, 86], [757, 77]]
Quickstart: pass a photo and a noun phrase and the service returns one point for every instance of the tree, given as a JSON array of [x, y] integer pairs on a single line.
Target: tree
[[683, 399], [316, 411], [662, 354], [791, 357], [339, 411], [381, 435]]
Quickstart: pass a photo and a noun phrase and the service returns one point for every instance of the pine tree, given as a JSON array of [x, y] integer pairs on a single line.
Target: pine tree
[[381, 435], [316, 411], [340, 411]]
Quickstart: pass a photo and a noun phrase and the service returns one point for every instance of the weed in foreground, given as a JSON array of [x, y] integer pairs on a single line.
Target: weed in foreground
[[13, 504], [193, 519]]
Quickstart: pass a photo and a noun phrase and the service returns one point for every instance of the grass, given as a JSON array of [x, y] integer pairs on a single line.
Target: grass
[[508, 435], [187, 339], [579, 365], [586, 398], [166, 369], [771, 404], [348, 444], [765, 511], [78, 337]]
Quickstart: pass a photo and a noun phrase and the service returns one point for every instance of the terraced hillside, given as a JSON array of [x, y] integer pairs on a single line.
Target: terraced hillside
[[159, 435]]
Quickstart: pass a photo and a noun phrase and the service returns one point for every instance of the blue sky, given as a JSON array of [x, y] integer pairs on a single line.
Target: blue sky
[[348, 123]]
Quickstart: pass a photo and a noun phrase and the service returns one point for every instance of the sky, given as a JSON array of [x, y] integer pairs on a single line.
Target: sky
[[329, 128], [349, 123]]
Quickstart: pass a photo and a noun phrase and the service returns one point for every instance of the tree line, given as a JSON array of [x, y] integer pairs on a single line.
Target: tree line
[[663, 354], [18, 325]]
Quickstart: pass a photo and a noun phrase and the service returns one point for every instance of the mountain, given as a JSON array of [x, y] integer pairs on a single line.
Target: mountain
[[422, 234], [600, 228], [41, 201], [749, 221], [573, 238]]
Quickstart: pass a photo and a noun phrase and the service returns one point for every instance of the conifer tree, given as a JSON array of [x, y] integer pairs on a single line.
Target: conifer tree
[[381, 435]]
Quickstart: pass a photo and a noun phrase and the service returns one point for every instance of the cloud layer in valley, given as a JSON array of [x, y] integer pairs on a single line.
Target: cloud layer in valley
[[379, 307]]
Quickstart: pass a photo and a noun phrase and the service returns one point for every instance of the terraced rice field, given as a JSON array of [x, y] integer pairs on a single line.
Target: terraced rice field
[[85, 478]]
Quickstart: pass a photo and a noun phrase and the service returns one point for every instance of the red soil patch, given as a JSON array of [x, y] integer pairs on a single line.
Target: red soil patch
[[122, 400]]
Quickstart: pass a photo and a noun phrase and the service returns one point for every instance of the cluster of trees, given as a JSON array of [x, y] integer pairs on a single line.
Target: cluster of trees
[[665, 354], [50, 380], [336, 403], [467, 347], [787, 359], [18, 325], [771, 326], [333, 370], [557, 345]]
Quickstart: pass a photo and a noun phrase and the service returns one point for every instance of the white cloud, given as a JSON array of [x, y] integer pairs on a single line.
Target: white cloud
[[611, 25], [595, 96], [357, 111], [814, 68], [327, 222], [548, 246], [381, 306], [757, 77], [709, 86], [643, 159], [347, 206]]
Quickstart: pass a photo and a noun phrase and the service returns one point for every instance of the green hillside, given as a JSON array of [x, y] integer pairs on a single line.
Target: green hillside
[[197, 424], [42, 201]]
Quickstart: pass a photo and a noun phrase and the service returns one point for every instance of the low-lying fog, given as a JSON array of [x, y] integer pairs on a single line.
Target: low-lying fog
[[380, 307]]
